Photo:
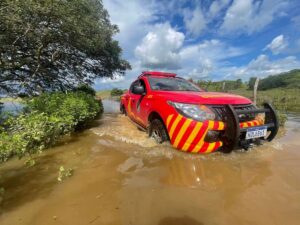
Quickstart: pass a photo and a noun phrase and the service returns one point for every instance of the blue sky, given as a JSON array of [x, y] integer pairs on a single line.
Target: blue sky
[[206, 39]]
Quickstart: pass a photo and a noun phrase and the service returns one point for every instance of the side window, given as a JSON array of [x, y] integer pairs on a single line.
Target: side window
[[133, 84], [137, 83], [142, 83]]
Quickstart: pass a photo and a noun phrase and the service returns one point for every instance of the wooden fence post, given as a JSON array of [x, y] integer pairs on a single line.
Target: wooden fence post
[[255, 90], [223, 86]]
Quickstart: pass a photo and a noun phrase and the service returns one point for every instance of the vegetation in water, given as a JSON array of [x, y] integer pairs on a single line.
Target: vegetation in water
[[45, 120], [2, 190], [64, 173]]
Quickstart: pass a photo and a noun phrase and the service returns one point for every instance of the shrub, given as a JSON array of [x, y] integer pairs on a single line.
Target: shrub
[[116, 92], [29, 133], [86, 89], [45, 120], [78, 107]]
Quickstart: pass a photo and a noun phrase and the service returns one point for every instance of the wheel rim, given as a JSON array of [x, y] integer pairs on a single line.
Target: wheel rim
[[156, 134]]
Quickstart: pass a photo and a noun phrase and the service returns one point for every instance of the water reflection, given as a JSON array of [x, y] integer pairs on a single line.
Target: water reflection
[[23, 183], [211, 176], [229, 177], [111, 106]]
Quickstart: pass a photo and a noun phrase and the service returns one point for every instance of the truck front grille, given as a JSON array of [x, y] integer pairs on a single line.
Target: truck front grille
[[222, 113]]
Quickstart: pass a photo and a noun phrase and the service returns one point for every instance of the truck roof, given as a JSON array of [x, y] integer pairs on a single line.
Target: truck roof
[[157, 73]]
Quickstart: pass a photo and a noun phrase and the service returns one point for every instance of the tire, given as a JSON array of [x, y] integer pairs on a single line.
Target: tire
[[123, 110], [158, 131]]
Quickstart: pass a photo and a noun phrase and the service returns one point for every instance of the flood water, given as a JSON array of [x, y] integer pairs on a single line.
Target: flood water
[[123, 177]]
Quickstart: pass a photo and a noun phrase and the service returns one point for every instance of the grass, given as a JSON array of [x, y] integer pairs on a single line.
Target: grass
[[104, 94], [285, 100]]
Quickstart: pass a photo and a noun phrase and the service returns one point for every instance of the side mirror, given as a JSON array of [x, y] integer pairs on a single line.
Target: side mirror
[[139, 90]]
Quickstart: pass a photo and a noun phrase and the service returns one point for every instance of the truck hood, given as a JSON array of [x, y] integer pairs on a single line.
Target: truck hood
[[209, 98]]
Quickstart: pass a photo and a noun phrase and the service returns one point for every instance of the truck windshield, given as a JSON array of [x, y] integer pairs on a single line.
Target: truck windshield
[[172, 84]]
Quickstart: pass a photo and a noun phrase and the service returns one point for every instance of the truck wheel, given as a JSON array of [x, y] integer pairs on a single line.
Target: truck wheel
[[158, 131], [123, 110]]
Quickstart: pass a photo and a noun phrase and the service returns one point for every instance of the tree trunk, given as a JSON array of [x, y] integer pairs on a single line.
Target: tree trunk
[[223, 86]]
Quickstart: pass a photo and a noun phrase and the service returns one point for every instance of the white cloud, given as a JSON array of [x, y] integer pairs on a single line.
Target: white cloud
[[249, 16], [277, 45], [116, 79], [160, 47], [217, 6], [262, 66], [120, 81], [203, 70], [133, 19], [195, 22], [214, 49], [203, 59]]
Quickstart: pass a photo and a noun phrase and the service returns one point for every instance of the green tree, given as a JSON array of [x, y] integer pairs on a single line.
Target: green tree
[[55, 45], [238, 83], [251, 83], [116, 92], [289, 79], [85, 88]]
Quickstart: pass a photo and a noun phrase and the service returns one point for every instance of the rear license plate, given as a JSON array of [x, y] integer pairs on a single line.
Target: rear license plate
[[256, 132]]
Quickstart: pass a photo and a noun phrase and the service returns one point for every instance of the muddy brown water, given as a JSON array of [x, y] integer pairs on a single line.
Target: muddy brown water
[[122, 177]]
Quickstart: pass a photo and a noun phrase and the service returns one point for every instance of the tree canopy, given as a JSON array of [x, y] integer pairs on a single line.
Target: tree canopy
[[289, 79], [55, 45]]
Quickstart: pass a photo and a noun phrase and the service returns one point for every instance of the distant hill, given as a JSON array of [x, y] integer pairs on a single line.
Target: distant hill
[[289, 79]]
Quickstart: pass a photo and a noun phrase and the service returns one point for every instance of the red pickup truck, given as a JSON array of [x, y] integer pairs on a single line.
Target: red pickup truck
[[171, 108]]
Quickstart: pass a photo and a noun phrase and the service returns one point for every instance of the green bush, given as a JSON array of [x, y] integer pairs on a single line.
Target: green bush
[[116, 92], [86, 89], [45, 120], [78, 107]]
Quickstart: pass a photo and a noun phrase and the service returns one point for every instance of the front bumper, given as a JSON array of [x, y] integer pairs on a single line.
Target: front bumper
[[193, 136]]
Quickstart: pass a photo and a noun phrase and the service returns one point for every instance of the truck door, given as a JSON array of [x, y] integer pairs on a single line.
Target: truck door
[[135, 102]]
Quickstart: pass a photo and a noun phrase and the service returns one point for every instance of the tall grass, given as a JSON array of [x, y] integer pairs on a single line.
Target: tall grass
[[285, 100]]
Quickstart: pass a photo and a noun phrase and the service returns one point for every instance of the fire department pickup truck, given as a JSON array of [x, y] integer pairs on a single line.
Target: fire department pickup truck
[[193, 120]]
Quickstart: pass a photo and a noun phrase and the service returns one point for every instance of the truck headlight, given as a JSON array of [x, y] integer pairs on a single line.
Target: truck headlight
[[196, 112]]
